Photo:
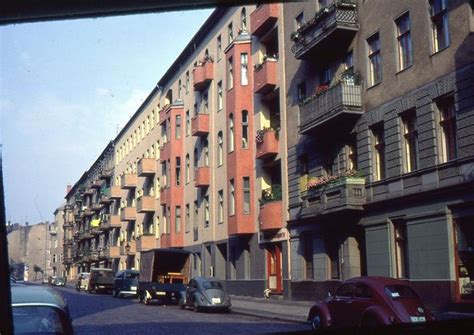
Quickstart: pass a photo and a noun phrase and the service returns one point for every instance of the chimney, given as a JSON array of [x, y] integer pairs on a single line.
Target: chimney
[[68, 189]]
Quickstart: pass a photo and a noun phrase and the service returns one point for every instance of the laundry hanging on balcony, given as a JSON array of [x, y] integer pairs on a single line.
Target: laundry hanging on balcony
[[95, 223]]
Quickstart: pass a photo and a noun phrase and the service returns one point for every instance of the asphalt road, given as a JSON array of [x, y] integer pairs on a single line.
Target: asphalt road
[[103, 314]]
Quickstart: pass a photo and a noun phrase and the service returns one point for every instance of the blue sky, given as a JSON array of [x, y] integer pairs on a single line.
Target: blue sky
[[66, 87]]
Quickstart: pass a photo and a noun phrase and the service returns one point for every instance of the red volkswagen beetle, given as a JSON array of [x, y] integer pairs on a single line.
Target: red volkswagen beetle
[[369, 302]]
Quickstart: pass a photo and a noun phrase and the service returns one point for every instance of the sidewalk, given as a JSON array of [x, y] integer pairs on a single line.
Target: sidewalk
[[282, 310]]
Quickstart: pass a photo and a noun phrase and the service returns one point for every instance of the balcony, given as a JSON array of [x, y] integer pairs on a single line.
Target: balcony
[[146, 204], [335, 107], [96, 207], [271, 215], [128, 214], [146, 167], [263, 18], [129, 181], [267, 143], [202, 176], [332, 26], [115, 192], [200, 124], [165, 195], [265, 76], [165, 152], [94, 256], [113, 252], [345, 194], [110, 221], [146, 242], [95, 231], [203, 75], [105, 196], [106, 174], [87, 212], [97, 184]]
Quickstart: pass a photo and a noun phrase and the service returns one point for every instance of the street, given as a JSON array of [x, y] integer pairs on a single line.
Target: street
[[103, 314]]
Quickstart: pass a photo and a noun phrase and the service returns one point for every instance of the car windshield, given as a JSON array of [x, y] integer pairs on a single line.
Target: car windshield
[[212, 285], [400, 291], [131, 275], [36, 319], [105, 274]]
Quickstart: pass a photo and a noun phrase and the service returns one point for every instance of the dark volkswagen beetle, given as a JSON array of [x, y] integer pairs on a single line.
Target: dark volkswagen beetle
[[205, 294], [126, 283], [39, 310], [369, 302]]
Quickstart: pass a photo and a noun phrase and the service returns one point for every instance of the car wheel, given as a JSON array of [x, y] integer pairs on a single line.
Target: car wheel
[[195, 307], [316, 323]]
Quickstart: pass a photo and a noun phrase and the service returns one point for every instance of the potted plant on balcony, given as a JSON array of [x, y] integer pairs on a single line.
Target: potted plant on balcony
[[261, 132], [317, 183]]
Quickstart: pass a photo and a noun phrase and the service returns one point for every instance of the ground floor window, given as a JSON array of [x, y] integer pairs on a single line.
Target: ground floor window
[[464, 235]]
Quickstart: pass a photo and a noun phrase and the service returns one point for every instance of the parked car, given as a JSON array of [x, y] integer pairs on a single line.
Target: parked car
[[82, 281], [126, 283], [58, 281], [39, 310], [205, 294], [101, 280], [369, 302]]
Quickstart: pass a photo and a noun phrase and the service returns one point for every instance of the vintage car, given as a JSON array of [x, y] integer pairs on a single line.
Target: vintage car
[[126, 283], [369, 302], [58, 281], [101, 280], [82, 281], [39, 310], [205, 294]]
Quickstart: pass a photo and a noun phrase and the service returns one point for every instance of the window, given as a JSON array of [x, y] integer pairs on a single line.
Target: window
[[334, 258], [220, 102], [196, 158], [220, 211], [206, 211], [304, 171], [439, 25], [220, 149], [245, 129], [196, 214], [325, 76], [188, 219], [179, 89], [243, 20], [230, 33], [178, 127], [187, 82], [231, 133], [231, 197], [345, 290], [301, 92], [400, 239], [349, 61], [363, 291], [404, 41], [187, 172], [206, 153], [299, 21], [375, 60], [246, 192], [219, 47], [410, 141], [352, 155], [188, 124], [177, 220], [244, 76], [447, 129], [378, 149], [205, 103], [178, 171], [230, 74]]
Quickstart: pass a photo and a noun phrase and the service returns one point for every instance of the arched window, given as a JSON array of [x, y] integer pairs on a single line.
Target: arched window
[[245, 129], [169, 97], [187, 169], [220, 149], [231, 132], [243, 19]]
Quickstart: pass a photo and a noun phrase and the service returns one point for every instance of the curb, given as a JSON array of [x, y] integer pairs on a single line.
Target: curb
[[270, 316]]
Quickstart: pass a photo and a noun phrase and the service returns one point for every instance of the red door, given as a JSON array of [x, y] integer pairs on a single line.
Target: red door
[[274, 280]]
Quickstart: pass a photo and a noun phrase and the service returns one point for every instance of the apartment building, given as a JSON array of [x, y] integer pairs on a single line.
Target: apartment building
[[56, 233], [381, 155]]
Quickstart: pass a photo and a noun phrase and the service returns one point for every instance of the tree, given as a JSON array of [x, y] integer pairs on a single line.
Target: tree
[[37, 269]]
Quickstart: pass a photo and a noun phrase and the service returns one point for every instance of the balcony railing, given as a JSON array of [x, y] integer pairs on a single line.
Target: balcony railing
[[146, 242], [335, 105], [265, 76], [129, 181], [345, 194], [146, 167], [146, 204], [263, 18], [200, 124], [203, 74], [128, 214], [106, 173], [202, 176], [110, 221], [267, 143], [336, 23]]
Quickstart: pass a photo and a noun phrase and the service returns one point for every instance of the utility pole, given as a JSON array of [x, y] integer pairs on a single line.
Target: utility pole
[[6, 326]]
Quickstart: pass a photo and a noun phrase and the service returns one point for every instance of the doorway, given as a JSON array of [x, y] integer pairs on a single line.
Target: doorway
[[274, 270]]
